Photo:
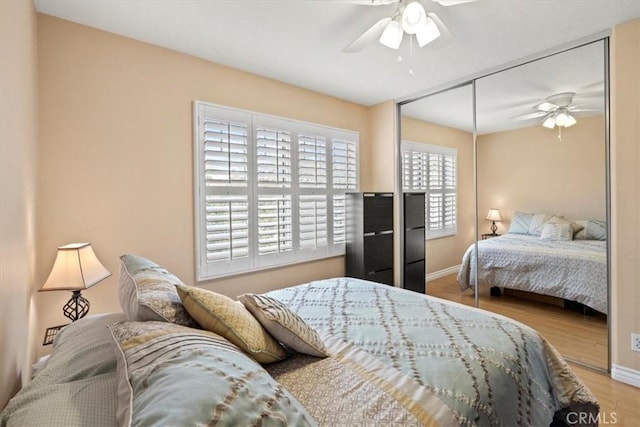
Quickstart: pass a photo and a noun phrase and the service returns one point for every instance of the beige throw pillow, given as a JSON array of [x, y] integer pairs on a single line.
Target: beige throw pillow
[[224, 316], [284, 325], [557, 232]]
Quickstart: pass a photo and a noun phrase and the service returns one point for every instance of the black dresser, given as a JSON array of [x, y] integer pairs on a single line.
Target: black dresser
[[369, 248], [414, 242]]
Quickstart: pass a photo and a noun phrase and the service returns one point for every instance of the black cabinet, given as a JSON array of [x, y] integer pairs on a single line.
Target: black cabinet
[[414, 242], [369, 249]]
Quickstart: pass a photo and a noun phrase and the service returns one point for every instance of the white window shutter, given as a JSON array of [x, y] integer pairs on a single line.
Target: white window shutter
[[269, 191], [275, 224], [313, 222], [227, 225], [312, 161], [273, 156], [225, 153], [344, 164], [432, 169]]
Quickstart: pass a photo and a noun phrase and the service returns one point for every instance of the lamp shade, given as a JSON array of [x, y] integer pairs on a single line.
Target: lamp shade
[[392, 35], [494, 215], [76, 268], [427, 33]]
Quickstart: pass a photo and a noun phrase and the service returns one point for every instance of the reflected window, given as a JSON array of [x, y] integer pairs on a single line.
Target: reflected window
[[432, 169]]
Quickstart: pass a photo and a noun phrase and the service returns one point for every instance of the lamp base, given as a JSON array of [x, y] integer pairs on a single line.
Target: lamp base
[[493, 227], [77, 307]]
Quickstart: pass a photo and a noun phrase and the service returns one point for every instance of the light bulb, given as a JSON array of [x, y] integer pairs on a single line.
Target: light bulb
[[413, 17]]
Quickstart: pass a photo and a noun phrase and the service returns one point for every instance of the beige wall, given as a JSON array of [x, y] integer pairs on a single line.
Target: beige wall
[[625, 159], [18, 138], [448, 251], [116, 154], [380, 160], [529, 170]]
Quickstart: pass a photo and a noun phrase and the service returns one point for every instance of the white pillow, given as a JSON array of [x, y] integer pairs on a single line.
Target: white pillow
[[537, 223], [557, 232]]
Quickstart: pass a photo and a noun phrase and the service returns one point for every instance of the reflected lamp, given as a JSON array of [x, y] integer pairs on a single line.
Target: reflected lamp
[[493, 216]]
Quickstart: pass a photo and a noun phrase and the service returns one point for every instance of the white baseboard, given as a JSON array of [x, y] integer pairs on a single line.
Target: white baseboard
[[442, 273], [625, 375]]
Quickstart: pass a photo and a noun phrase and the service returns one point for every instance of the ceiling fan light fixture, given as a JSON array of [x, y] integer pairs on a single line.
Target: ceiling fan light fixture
[[565, 120], [392, 35], [550, 122], [414, 17], [427, 33]]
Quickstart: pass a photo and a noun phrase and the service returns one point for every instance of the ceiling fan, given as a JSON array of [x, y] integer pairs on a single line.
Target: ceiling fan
[[556, 111], [410, 17]]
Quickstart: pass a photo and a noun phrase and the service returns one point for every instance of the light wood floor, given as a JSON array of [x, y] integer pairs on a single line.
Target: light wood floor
[[576, 336]]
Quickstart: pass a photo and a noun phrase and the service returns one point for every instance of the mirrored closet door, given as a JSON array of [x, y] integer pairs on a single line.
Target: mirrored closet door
[[528, 149], [541, 175], [437, 151]]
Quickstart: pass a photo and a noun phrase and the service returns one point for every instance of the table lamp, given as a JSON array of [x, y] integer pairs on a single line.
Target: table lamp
[[76, 268], [493, 216]]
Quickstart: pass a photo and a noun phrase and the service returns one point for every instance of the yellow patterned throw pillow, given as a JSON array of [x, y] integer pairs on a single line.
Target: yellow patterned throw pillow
[[284, 325], [224, 316]]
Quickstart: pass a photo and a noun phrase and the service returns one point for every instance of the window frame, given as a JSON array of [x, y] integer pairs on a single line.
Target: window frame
[[206, 270], [428, 149]]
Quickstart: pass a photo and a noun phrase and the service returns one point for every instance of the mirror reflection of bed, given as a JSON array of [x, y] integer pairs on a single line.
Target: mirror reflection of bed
[[546, 263]]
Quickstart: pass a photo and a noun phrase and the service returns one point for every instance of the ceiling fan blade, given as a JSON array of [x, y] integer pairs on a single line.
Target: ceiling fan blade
[[372, 2], [446, 36], [545, 106], [452, 2], [373, 33], [584, 110], [530, 116]]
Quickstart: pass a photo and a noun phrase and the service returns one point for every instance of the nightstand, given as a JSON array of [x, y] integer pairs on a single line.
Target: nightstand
[[489, 236]]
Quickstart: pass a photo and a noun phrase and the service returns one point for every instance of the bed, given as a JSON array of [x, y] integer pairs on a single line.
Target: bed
[[575, 270], [356, 353]]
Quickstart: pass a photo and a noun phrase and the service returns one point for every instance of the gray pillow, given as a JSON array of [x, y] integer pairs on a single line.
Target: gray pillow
[[593, 230], [520, 223], [284, 325], [148, 292]]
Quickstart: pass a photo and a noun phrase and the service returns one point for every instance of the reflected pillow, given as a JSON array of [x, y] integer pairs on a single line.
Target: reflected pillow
[[520, 223], [593, 230], [537, 223], [561, 220], [284, 325], [557, 232], [220, 314]]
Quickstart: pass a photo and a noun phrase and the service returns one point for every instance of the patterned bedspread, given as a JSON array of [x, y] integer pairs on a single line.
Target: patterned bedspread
[[575, 270], [466, 365], [397, 359]]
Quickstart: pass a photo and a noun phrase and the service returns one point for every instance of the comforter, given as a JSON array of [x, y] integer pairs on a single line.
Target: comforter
[[574, 270]]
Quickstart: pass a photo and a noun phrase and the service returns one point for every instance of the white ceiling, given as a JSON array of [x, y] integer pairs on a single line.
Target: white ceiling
[[300, 42]]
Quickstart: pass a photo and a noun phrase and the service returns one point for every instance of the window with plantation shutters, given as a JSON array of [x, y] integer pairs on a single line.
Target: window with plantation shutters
[[432, 169], [269, 190]]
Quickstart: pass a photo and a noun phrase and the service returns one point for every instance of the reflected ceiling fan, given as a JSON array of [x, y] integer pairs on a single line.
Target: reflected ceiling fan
[[557, 111], [409, 18]]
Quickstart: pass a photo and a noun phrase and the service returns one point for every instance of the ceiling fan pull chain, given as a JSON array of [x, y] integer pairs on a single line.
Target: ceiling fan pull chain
[[411, 56]]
